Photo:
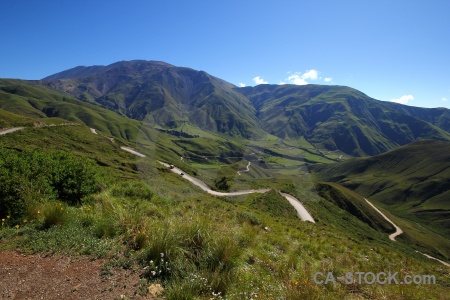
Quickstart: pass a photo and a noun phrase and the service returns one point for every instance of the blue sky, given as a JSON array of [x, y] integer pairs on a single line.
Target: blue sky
[[392, 49]]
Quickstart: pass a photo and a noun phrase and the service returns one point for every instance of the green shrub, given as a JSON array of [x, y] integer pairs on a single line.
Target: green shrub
[[73, 177], [32, 177], [222, 184], [21, 183]]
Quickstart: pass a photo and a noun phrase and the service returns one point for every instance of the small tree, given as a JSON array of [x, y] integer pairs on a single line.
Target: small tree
[[222, 184]]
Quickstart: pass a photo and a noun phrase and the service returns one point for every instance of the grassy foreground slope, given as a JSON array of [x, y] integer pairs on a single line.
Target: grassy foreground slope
[[196, 245]]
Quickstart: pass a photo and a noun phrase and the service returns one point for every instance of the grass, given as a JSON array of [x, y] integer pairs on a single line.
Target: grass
[[199, 246], [354, 204], [410, 182]]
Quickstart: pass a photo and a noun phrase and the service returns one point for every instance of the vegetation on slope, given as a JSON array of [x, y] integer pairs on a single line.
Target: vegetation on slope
[[163, 94], [328, 117], [411, 182], [339, 117], [354, 204], [199, 246]]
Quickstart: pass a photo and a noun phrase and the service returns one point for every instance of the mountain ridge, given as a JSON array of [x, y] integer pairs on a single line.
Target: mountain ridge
[[329, 117]]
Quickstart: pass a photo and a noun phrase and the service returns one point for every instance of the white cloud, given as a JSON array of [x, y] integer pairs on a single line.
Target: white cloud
[[299, 78], [405, 99], [328, 79], [259, 80], [296, 78], [444, 99], [241, 84], [310, 74]]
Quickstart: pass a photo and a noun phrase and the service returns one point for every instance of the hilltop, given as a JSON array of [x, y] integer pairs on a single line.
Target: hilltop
[[327, 117]]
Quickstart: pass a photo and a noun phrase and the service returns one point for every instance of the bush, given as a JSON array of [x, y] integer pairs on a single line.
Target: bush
[[73, 177], [249, 217], [222, 184], [30, 177]]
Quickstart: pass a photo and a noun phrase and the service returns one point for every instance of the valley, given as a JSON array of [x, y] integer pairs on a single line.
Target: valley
[[363, 172]]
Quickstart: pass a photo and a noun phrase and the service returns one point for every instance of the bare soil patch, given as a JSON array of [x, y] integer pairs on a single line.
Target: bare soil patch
[[38, 276]]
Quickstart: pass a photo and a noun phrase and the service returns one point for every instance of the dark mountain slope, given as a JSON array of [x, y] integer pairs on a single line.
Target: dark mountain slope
[[413, 180], [328, 117], [354, 204], [163, 94], [439, 116], [338, 117]]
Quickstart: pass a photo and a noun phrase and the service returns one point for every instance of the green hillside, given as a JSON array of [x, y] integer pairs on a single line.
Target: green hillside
[[339, 118], [328, 118], [439, 116], [411, 182], [354, 204], [162, 94], [251, 244], [41, 104], [134, 209]]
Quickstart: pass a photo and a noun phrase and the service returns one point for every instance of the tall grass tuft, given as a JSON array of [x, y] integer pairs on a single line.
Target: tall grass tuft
[[53, 213]]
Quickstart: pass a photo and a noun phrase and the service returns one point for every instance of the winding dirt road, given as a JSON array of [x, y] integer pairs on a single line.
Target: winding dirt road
[[128, 149], [398, 230], [247, 170], [302, 212], [11, 130], [431, 257], [206, 188]]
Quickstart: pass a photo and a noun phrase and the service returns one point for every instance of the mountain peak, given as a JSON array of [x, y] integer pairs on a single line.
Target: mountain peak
[[129, 65]]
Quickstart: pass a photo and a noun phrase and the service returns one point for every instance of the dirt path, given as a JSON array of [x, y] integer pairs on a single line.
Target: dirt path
[[131, 150], [398, 230], [302, 212], [38, 276], [9, 130], [431, 257], [247, 170]]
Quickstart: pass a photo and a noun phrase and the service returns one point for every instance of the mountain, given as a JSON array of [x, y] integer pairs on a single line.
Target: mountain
[[439, 116], [161, 94], [211, 128], [342, 118], [172, 99], [413, 181], [327, 117], [24, 103]]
